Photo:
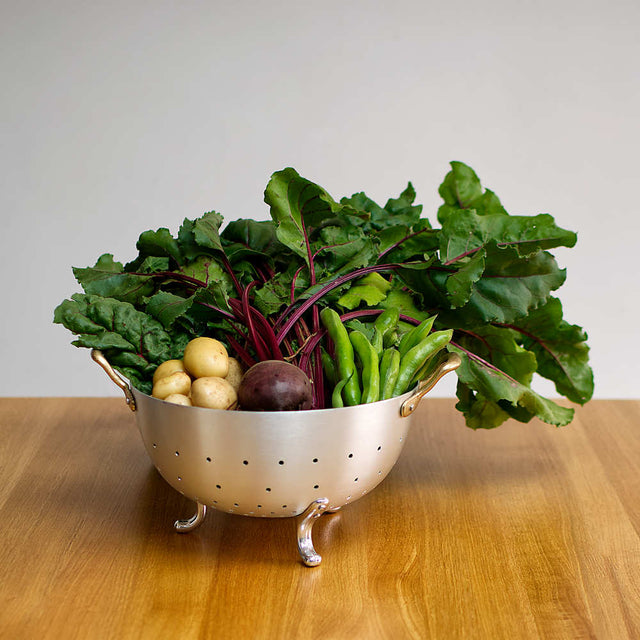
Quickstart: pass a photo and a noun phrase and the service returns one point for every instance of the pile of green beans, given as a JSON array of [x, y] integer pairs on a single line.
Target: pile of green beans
[[384, 367]]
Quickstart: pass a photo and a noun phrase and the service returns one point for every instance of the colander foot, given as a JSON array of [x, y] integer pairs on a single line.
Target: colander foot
[[184, 526], [305, 544]]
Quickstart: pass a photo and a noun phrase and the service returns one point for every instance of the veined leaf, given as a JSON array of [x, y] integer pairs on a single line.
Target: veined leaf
[[461, 189], [510, 287], [465, 232], [159, 243], [297, 205], [495, 385], [561, 350], [107, 279], [117, 327]]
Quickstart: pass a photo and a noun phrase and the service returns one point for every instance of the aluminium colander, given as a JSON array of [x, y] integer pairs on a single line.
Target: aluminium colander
[[274, 464]]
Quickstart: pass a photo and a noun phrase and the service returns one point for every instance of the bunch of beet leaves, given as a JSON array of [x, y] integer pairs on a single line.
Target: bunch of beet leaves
[[258, 286]]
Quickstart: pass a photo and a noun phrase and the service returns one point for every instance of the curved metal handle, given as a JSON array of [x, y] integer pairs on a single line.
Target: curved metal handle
[[98, 356], [451, 363]]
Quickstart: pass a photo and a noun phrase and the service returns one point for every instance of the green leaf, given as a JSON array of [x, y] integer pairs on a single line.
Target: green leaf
[[158, 243], [108, 279], [246, 239], [397, 211], [371, 290], [465, 232], [297, 205], [500, 347], [166, 307], [117, 327], [200, 236], [479, 412], [510, 287], [460, 283], [343, 249], [495, 385], [206, 231], [561, 350], [461, 189]]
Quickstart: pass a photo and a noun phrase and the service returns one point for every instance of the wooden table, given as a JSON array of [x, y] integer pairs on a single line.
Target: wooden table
[[526, 531]]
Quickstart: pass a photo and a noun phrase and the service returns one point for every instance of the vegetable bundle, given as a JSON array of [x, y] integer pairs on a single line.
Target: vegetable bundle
[[275, 289]]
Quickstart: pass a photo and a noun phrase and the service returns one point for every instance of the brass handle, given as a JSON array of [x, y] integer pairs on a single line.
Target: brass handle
[[451, 363], [98, 356]]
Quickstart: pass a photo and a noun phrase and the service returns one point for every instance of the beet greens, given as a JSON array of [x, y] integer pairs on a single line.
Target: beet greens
[[259, 286]]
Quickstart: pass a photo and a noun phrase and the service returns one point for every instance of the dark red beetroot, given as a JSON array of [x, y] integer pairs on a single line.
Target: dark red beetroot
[[275, 385]]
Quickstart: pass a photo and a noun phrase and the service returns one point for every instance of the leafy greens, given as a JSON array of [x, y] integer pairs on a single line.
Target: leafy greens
[[258, 286]]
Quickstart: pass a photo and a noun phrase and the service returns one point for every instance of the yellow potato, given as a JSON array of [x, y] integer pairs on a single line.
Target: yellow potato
[[179, 398], [234, 377], [206, 357], [214, 393], [178, 382], [167, 368]]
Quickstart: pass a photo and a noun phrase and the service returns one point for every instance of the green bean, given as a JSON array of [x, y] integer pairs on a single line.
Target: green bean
[[387, 321], [328, 366], [336, 396], [417, 356], [345, 360], [370, 369], [377, 341], [389, 369], [390, 339], [416, 335]]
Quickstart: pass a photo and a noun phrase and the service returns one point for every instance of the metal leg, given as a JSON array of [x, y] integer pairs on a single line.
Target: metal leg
[[184, 526], [305, 544]]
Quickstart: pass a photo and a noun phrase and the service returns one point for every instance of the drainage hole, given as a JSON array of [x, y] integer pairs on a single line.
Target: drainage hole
[[350, 455], [179, 478], [284, 506], [314, 460], [356, 480], [218, 486], [245, 462], [268, 489], [235, 504], [177, 453], [208, 459], [380, 447], [259, 506], [155, 446], [280, 462], [316, 486]]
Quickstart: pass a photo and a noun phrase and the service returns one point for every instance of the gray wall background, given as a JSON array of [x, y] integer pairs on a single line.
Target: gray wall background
[[117, 117]]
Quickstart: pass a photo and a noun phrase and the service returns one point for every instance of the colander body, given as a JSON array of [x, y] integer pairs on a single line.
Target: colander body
[[272, 464]]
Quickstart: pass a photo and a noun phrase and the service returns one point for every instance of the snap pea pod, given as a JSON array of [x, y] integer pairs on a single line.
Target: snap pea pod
[[417, 356], [377, 341], [416, 335], [370, 367], [345, 359], [336, 396], [387, 321], [328, 366], [426, 369], [389, 369]]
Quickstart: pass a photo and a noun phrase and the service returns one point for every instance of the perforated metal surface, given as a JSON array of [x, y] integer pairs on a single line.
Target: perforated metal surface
[[272, 464]]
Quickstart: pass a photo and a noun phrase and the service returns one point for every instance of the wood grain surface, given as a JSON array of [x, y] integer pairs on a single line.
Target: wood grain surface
[[526, 531]]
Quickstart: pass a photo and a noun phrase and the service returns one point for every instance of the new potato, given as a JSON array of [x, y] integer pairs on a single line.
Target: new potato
[[206, 357], [167, 368], [213, 392], [179, 398], [234, 377], [177, 382]]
